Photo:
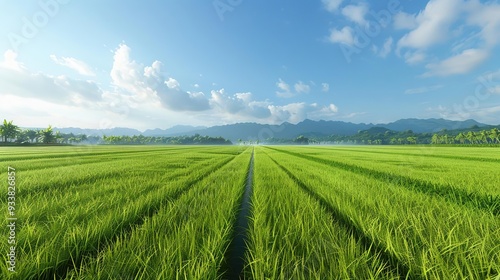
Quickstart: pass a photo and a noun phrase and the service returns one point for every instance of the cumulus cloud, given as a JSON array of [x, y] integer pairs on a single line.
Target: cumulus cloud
[[10, 61], [332, 5], [141, 94], [432, 24], [297, 112], [241, 104], [404, 20], [74, 64], [343, 36], [300, 87], [149, 83], [432, 27], [458, 64], [414, 57], [486, 16], [286, 91], [283, 89], [485, 114], [386, 48], [19, 81], [356, 13]]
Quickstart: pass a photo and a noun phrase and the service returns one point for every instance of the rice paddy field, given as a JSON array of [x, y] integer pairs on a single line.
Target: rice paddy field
[[239, 212]]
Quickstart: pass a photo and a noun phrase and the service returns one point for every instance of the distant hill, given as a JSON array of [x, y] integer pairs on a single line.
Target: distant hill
[[308, 128], [178, 129], [430, 125], [254, 131]]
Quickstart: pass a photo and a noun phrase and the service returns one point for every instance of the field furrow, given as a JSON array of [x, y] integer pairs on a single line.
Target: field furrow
[[490, 203], [234, 261], [373, 246], [47, 249], [434, 238], [292, 236], [186, 239], [239, 212]]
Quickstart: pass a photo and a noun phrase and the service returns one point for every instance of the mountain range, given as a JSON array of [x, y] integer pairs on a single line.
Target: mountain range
[[308, 128]]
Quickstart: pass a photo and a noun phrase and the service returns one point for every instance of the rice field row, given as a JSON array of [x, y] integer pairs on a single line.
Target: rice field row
[[275, 212]]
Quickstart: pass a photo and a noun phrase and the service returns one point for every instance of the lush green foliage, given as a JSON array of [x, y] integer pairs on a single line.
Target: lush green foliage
[[384, 136], [13, 134]]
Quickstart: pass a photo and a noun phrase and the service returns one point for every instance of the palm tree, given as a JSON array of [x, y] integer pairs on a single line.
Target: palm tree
[[47, 136], [31, 134], [495, 135], [471, 136], [483, 136], [412, 139], [8, 130], [460, 138]]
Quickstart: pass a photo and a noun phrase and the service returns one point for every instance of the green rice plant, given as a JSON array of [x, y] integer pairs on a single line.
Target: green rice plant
[[293, 237], [436, 239], [480, 199], [447, 166], [186, 239], [48, 245]]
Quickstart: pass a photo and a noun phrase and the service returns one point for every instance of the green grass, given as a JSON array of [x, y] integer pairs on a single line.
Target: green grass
[[168, 212]]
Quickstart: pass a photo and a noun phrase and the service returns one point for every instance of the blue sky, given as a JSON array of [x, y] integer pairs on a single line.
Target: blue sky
[[156, 64]]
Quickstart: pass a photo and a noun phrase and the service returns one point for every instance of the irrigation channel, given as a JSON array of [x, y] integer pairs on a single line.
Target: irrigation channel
[[234, 262]]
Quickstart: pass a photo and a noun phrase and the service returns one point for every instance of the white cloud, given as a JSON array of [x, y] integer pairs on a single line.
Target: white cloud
[[458, 64], [18, 80], [480, 114], [172, 83], [148, 83], [386, 48], [10, 61], [74, 64], [300, 87], [325, 87], [487, 17], [332, 5], [322, 112], [414, 57], [140, 97], [356, 13], [433, 24], [343, 36], [423, 89], [403, 20], [284, 89], [282, 85], [470, 28], [240, 104], [494, 90], [293, 112]]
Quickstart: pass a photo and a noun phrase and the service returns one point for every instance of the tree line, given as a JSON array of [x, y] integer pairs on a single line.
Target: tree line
[[471, 137], [161, 140], [12, 133], [382, 136]]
